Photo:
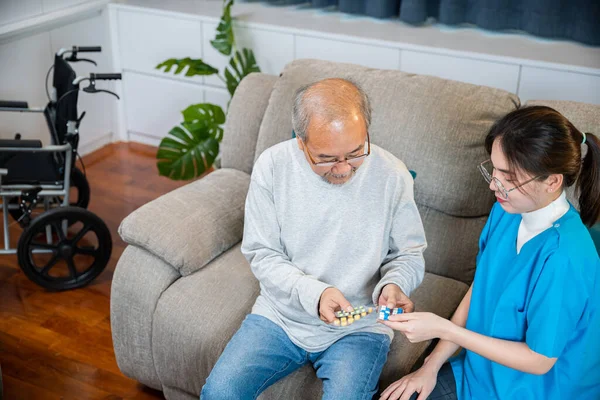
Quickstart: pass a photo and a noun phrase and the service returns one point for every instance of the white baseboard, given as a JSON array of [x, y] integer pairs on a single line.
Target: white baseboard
[[143, 138], [95, 144]]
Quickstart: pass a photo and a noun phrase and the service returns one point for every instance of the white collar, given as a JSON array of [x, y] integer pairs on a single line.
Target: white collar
[[544, 217]]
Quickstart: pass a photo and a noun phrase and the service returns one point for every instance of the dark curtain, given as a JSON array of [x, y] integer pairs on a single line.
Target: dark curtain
[[577, 20]]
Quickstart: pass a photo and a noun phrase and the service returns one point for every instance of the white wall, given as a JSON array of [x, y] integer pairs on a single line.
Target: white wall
[[25, 59]]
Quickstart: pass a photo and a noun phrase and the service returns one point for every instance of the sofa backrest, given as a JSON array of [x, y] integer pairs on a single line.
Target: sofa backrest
[[435, 126]]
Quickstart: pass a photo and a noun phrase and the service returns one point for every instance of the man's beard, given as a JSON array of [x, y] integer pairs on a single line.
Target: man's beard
[[329, 174]]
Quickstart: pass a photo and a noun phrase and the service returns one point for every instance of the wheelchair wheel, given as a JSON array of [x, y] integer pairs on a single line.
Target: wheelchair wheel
[[59, 259], [79, 198]]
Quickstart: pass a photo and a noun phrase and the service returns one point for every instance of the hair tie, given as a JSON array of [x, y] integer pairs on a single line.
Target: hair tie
[[584, 138]]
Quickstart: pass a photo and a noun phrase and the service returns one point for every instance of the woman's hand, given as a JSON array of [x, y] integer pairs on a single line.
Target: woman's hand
[[422, 381], [419, 326]]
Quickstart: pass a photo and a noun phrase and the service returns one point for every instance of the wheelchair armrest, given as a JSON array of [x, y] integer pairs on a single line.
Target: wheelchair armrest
[[18, 106], [11, 143], [13, 104]]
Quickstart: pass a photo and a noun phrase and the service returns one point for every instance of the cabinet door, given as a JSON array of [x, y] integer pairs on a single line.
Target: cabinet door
[[347, 52], [548, 84], [478, 72], [146, 39]]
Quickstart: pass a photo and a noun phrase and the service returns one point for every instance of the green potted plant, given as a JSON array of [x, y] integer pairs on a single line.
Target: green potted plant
[[191, 148]]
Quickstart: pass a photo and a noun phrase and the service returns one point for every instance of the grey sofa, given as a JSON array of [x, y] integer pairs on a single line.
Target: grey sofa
[[182, 286]]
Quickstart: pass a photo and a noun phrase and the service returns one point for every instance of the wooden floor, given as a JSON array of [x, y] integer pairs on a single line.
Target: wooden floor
[[57, 345]]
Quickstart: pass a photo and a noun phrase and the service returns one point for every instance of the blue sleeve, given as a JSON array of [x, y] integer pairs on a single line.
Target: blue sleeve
[[556, 305]]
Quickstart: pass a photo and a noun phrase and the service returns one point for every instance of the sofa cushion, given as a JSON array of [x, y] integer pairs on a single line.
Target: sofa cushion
[[435, 126], [192, 225]]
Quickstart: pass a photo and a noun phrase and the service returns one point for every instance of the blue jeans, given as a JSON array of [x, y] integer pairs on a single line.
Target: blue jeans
[[260, 354]]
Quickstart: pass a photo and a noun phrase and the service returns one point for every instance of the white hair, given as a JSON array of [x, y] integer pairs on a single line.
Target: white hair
[[303, 107]]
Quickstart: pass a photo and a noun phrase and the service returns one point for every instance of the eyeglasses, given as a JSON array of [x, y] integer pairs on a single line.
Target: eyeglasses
[[487, 170], [354, 161]]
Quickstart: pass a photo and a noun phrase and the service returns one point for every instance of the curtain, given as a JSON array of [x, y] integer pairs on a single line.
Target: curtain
[[577, 20]]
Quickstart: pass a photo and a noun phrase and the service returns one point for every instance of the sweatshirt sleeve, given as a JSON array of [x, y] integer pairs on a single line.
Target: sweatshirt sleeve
[[404, 264], [262, 247]]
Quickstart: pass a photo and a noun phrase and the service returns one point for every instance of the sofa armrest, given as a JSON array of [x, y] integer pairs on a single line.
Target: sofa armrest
[[191, 226]]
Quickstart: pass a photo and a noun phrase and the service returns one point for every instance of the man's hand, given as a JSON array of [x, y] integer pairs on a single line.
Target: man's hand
[[332, 300], [393, 297]]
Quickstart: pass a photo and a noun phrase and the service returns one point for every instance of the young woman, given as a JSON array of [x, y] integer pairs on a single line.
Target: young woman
[[529, 324]]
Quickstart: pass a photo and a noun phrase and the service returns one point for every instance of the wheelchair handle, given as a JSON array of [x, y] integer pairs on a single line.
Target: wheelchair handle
[[87, 49], [105, 77]]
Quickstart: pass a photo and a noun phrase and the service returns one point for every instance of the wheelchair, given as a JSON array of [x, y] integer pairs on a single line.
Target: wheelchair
[[63, 245]]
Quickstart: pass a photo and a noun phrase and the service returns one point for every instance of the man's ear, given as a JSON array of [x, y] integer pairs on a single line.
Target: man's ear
[[300, 143]]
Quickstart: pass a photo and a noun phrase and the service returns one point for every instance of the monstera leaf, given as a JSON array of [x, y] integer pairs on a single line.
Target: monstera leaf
[[240, 65], [224, 40], [205, 117], [195, 66], [191, 148]]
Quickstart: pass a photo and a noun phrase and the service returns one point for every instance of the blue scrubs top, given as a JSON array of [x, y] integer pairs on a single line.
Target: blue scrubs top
[[547, 296]]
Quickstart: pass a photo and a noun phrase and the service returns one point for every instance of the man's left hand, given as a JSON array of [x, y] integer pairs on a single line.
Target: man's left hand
[[393, 297]]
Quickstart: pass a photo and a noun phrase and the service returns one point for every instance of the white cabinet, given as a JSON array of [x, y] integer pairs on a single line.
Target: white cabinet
[[347, 52], [153, 105], [145, 40], [217, 96], [212, 56], [273, 50], [478, 72], [548, 84], [153, 99]]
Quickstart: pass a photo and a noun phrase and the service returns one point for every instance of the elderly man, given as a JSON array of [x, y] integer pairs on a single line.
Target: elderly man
[[330, 222]]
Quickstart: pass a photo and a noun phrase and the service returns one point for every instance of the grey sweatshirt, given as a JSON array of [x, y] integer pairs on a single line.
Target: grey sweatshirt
[[303, 235]]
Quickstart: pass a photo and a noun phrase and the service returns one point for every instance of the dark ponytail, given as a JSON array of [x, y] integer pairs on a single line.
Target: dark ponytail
[[588, 184], [542, 142]]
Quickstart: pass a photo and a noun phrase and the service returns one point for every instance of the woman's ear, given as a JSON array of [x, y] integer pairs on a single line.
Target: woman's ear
[[554, 182]]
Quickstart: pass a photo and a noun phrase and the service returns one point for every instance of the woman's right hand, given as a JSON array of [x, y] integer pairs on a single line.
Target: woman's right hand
[[421, 381]]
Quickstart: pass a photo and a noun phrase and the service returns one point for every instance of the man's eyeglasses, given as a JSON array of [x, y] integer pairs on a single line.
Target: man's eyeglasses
[[487, 170], [353, 161]]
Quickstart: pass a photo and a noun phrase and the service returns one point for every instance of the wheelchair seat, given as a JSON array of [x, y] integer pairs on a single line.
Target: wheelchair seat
[[28, 168]]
